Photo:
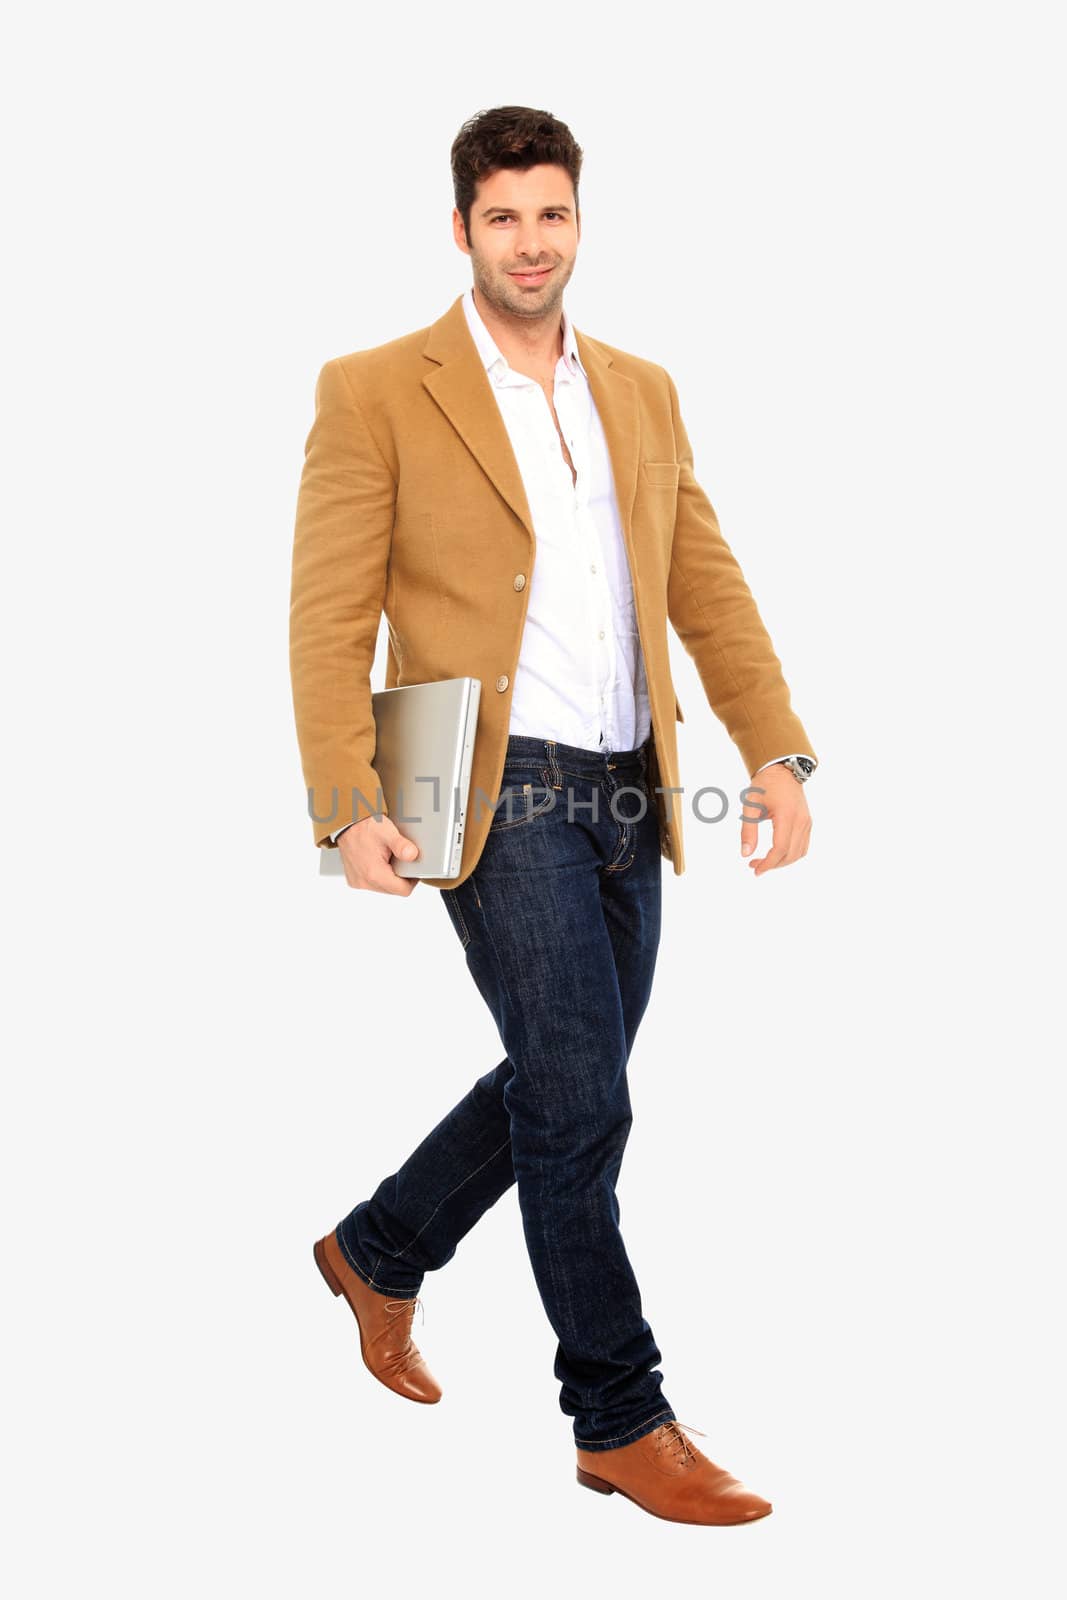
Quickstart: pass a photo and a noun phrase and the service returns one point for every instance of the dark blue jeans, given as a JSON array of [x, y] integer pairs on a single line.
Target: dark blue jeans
[[560, 925]]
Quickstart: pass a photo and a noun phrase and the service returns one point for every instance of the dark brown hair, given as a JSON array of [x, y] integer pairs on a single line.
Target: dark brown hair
[[509, 136]]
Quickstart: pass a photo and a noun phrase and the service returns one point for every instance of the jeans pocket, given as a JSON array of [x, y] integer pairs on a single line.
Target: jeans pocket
[[523, 797]]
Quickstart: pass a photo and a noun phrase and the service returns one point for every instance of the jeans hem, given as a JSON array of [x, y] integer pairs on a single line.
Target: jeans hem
[[368, 1277], [648, 1426]]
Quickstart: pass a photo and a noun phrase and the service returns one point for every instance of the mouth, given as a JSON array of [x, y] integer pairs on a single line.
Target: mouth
[[531, 277]]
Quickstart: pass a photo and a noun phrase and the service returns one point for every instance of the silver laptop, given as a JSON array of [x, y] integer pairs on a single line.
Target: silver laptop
[[423, 751]]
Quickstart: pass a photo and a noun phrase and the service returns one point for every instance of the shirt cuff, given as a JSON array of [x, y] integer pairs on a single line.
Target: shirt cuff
[[783, 758]]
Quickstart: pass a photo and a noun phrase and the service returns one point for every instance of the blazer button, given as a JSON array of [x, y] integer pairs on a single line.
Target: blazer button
[[502, 681], [520, 580]]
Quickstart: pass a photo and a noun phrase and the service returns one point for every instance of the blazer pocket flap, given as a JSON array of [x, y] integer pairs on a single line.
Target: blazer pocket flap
[[662, 473]]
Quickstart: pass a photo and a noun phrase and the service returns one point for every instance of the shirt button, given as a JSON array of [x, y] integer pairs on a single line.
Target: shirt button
[[600, 635], [592, 569], [502, 681], [520, 580]]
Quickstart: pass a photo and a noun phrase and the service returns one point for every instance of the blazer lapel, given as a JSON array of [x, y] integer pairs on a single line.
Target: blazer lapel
[[460, 386], [615, 397]]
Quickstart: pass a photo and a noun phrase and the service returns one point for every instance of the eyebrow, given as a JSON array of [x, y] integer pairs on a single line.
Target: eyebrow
[[510, 210]]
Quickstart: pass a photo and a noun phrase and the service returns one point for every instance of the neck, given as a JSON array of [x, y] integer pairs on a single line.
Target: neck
[[535, 341]]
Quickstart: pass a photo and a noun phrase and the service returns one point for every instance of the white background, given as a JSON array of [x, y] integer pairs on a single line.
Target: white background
[[836, 227]]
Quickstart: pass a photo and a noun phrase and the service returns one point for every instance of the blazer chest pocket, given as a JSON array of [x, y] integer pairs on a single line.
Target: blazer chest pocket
[[663, 474]]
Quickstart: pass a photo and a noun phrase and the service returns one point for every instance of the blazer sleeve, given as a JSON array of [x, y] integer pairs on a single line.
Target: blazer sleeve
[[344, 523], [712, 610]]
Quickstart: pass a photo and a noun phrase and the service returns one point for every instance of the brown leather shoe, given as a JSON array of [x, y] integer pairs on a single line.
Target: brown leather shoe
[[664, 1473], [384, 1327]]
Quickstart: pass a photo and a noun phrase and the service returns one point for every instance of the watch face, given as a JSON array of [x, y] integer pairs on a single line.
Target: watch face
[[801, 767]]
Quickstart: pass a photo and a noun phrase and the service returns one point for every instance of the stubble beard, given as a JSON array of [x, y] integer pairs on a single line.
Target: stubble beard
[[511, 301]]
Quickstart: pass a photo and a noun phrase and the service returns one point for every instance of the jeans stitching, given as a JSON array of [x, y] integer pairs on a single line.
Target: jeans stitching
[[456, 1190], [620, 866], [493, 950], [623, 826], [372, 1282], [629, 823], [453, 901]]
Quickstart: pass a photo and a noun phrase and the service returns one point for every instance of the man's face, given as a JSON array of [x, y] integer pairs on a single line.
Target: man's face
[[520, 222]]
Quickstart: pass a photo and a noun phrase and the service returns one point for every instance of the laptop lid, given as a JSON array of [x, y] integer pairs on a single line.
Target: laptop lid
[[424, 749]]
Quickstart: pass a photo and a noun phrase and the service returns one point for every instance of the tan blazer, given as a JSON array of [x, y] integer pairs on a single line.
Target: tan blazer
[[411, 502]]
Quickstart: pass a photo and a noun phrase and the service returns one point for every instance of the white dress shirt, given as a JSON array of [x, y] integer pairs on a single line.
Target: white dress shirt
[[580, 677]]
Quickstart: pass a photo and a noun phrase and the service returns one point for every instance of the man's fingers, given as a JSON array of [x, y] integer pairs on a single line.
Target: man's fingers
[[368, 859], [382, 876], [381, 880], [776, 855], [790, 843], [393, 883]]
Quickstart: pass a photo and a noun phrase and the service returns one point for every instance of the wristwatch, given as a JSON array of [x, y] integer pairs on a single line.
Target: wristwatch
[[801, 767]]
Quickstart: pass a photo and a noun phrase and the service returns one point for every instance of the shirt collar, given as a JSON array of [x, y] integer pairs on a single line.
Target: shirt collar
[[490, 353]]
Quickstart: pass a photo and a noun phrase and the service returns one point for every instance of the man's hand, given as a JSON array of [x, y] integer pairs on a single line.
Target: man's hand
[[790, 818], [367, 850]]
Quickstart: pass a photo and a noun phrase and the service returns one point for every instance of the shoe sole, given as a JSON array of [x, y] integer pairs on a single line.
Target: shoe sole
[[337, 1287], [589, 1480]]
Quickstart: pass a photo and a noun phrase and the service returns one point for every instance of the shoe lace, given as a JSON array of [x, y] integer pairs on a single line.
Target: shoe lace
[[672, 1439], [397, 1308]]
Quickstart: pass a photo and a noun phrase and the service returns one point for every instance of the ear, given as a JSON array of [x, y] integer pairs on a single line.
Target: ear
[[457, 231]]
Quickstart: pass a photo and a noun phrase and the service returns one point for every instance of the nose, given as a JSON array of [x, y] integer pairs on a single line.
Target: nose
[[528, 248]]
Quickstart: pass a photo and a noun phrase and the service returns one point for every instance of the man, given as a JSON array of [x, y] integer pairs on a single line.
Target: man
[[520, 501]]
